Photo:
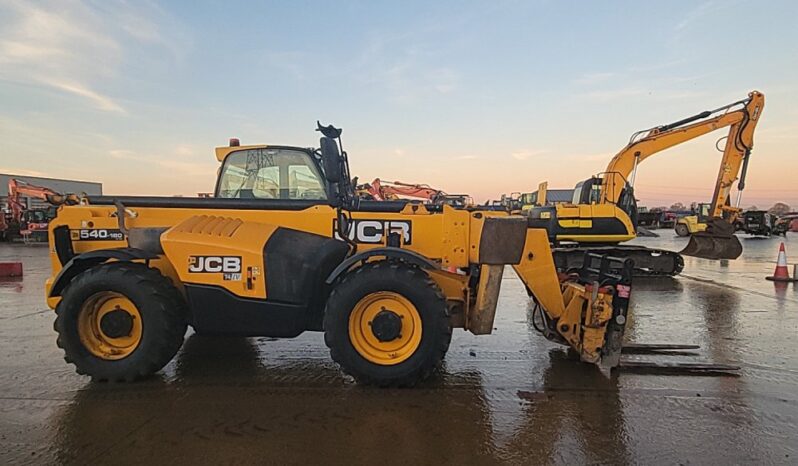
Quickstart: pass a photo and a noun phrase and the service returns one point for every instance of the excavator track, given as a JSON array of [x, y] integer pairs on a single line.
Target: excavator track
[[648, 262]]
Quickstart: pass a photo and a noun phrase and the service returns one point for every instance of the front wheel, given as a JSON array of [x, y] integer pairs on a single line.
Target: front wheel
[[120, 321], [386, 324], [682, 230]]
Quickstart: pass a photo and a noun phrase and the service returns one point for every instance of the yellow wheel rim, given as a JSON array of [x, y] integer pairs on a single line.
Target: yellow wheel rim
[[105, 335], [362, 335]]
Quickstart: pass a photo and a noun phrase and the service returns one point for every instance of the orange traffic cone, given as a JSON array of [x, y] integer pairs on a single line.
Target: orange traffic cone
[[782, 274]]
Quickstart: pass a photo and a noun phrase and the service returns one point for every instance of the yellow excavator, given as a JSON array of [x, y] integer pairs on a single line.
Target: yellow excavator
[[603, 211]]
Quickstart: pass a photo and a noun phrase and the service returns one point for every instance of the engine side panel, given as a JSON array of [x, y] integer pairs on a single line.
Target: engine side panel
[[225, 252], [595, 223]]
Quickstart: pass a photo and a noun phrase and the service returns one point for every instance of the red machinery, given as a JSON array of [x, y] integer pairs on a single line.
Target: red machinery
[[788, 222], [379, 190], [30, 221]]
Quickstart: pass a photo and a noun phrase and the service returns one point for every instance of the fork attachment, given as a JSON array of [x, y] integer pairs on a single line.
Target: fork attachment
[[584, 310], [616, 273], [665, 368]]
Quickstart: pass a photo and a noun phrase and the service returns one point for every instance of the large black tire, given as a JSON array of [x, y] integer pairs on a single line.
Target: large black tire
[[163, 320], [682, 230], [412, 284]]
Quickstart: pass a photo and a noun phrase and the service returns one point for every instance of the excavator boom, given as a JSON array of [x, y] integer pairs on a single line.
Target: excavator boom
[[741, 122], [394, 189], [718, 240], [18, 188], [379, 190]]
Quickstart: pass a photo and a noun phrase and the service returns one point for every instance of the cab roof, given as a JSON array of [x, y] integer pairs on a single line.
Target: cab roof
[[224, 151]]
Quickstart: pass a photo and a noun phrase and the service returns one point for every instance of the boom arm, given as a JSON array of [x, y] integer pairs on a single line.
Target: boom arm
[[17, 188], [381, 190], [741, 122]]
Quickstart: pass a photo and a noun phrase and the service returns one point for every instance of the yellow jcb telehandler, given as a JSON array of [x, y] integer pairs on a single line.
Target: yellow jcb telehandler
[[285, 247]]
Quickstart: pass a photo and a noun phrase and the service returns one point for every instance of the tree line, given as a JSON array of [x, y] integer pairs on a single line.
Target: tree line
[[779, 208]]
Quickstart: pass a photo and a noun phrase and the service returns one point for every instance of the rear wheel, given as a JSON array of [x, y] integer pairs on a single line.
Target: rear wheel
[[386, 324], [682, 230], [120, 321]]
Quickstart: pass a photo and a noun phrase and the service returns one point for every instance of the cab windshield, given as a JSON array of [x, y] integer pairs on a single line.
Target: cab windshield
[[270, 174], [587, 192]]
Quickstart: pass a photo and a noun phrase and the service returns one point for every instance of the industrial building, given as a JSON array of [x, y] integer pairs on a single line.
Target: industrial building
[[58, 185]]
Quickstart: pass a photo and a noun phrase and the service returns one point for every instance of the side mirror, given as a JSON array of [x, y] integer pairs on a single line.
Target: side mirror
[[330, 159]]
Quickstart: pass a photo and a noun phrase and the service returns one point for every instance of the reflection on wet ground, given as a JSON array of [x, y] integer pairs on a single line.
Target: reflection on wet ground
[[510, 398]]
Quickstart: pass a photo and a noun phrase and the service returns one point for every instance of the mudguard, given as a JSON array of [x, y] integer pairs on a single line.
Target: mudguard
[[389, 252], [85, 261]]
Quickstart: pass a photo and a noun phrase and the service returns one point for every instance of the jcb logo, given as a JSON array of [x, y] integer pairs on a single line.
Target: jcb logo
[[214, 264], [374, 231]]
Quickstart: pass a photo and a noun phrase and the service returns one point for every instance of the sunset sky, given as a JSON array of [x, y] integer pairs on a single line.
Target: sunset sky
[[477, 97]]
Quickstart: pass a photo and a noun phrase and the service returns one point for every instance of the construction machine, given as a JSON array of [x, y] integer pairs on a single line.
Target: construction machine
[[695, 222], [379, 190], [508, 202], [29, 223], [603, 211], [385, 281]]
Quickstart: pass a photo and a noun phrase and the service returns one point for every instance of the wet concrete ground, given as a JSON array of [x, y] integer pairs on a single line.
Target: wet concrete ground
[[510, 398]]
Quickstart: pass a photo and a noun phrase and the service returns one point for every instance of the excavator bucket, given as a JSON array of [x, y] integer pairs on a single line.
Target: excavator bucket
[[717, 242]]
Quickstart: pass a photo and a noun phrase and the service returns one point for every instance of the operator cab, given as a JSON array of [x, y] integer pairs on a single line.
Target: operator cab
[[271, 173], [286, 173], [702, 212], [589, 192]]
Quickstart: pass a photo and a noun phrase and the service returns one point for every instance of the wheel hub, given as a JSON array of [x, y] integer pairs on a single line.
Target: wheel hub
[[386, 325], [117, 323], [109, 325], [385, 328]]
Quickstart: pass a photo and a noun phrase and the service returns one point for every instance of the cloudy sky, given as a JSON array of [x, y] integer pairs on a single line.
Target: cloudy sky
[[479, 97]]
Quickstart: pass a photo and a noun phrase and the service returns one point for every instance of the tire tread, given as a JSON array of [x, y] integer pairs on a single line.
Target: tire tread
[[401, 272], [168, 300]]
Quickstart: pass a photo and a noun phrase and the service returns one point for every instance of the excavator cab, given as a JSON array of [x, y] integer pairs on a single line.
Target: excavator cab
[[589, 192]]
